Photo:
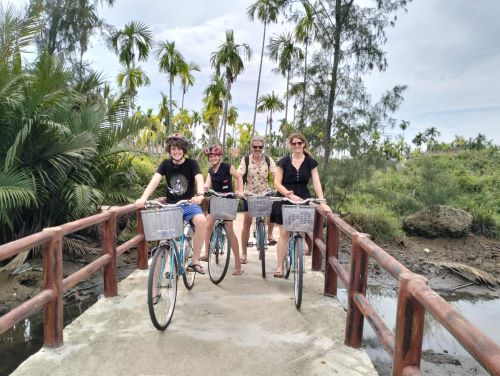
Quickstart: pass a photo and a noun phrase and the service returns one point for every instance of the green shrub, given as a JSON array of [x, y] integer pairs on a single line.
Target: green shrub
[[377, 221], [483, 223]]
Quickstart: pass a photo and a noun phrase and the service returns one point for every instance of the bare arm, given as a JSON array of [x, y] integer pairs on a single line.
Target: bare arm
[[199, 189], [239, 181], [208, 182], [317, 188], [153, 184]]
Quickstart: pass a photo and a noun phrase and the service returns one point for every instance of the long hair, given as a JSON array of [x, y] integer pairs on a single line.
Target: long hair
[[301, 137]]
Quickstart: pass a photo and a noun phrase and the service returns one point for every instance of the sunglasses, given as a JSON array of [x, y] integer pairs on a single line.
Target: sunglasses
[[258, 147], [296, 143]]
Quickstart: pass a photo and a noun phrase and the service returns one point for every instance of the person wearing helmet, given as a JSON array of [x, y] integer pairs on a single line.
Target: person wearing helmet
[[184, 182], [219, 178], [256, 169]]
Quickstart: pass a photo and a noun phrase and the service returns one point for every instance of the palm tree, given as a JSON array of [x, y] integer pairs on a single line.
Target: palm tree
[[133, 41], [187, 79], [283, 50], [266, 11], [215, 93], [431, 135], [131, 78], [304, 31], [197, 119], [418, 140], [232, 118], [271, 103], [228, 57], [171, 62]]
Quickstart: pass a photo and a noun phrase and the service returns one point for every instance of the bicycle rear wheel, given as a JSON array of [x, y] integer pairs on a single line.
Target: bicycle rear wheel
[[261, 244], [189, 274], [299, 270], [218, 255], [162, 286]]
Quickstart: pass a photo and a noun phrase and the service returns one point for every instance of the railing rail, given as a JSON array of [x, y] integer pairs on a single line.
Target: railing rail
[[415, 297], [50, 299]]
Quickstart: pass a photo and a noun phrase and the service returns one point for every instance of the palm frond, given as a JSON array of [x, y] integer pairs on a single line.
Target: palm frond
[[78, 248], [467, 272], [17, 188]]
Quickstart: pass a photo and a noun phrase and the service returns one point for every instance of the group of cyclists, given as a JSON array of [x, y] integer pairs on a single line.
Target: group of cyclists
[[184, 181]]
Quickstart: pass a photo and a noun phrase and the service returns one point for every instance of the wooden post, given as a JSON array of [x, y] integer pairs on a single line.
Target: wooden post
[[409, 327], [142, 247], [332, 249], [109, 247], [52, 279], [357, 284], [317, 256]]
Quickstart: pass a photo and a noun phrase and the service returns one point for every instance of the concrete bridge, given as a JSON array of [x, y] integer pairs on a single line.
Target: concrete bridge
[[244, 326]]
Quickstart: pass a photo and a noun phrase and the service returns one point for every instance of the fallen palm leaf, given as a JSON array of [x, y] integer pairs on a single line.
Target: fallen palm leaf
[[466, 271]]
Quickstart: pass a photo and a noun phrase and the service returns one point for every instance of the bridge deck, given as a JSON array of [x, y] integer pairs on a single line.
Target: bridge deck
[[244, 326]]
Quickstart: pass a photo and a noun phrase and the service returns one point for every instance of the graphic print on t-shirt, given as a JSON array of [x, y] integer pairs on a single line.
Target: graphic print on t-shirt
[[177, 185]]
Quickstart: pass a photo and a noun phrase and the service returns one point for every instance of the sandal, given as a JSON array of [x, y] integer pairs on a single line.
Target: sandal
[[238, 272], [197, 268], [278, 274], [204, 258], [243, 260], [271, 242]]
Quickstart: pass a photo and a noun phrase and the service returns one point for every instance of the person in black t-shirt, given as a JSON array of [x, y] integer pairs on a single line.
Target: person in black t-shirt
[[184, 178], [290, 180], [219, 178]]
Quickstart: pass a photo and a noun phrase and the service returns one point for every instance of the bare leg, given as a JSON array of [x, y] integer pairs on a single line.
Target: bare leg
[[233, 240], [199, 222], [281, 248], [270, 228], [208, 233], [245, 234]]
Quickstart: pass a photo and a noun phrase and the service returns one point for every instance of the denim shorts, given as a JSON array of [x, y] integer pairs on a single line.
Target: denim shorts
[[189, 211]]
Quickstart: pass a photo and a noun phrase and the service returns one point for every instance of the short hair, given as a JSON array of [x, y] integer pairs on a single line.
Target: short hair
[[258, 138]]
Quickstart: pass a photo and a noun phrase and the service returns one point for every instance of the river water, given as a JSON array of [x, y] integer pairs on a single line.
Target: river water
[[482, 310]]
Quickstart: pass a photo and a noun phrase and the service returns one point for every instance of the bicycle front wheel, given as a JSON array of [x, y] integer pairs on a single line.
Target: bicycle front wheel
[[189, 274], [218, 255], [299, 270], [162, 287], [261, 243]]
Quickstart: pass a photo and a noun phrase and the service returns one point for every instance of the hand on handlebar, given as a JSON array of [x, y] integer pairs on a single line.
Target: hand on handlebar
[[197, 200]]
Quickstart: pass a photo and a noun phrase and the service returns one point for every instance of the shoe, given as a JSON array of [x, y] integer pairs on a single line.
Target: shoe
[[278, 274], [271, 242], [243, 260], [238, 272]]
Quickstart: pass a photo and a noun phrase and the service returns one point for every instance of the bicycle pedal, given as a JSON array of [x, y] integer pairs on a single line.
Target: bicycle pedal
[[250, 244]]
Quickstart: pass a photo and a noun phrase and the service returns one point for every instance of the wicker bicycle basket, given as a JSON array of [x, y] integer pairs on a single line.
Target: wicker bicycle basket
[[224, 208], [298, 218], [161, 224], [259, 206]]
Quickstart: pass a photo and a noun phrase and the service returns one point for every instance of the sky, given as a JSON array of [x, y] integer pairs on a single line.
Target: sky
[[446, 51]]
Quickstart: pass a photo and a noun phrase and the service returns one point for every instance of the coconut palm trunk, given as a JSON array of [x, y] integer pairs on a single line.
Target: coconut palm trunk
[[258, 79], [224, 116]]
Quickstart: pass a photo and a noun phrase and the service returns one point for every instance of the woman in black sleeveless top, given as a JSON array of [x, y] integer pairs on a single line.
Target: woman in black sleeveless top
[[220, 179], [292, 176]]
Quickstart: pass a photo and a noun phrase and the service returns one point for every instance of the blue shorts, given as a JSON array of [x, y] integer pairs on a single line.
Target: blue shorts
[[189, 211]]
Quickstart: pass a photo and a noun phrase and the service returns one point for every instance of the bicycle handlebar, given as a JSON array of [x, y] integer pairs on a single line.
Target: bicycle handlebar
[[152, 203], [266, 193], [301, 202], [211, 192]]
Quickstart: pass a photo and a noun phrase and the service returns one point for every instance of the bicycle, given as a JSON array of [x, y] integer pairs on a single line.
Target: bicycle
[[224, 207], [259, 207], [298, 218], [170, 259]]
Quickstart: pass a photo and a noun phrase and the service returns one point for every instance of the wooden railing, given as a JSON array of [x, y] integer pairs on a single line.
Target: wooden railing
[[415, 297], [51, 297]]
